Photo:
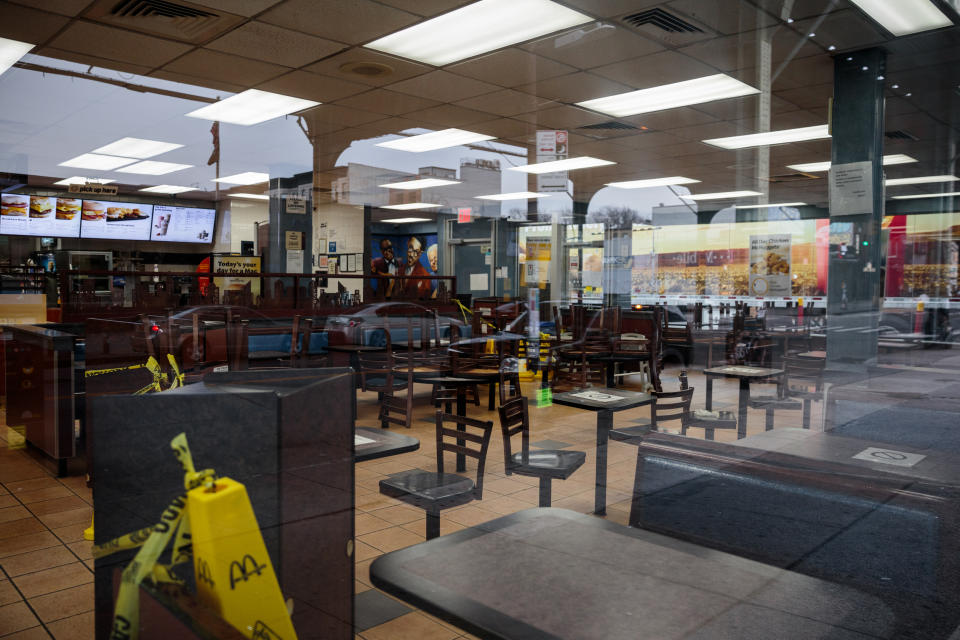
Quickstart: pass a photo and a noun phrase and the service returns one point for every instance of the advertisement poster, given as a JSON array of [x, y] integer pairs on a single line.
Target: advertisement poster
[[770, 265], [39, 216], [552, 146], [182, 224], [115, 220], [537, 263], [404, 255], [237, 264]]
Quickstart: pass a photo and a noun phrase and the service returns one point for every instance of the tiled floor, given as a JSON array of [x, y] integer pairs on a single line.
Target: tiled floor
[[46, 585]]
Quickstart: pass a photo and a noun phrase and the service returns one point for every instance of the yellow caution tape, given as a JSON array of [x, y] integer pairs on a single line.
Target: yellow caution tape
[[160, 377]]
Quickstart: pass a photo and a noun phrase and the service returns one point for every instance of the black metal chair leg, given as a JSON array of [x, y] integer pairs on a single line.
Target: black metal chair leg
[[545, 491], [806, 413], [769, 422], [708, 434], [433, 525]]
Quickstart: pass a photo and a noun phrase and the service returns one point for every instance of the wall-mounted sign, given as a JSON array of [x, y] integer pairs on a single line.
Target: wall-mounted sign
[[294, 240], [851, 188], [551, 146], [464, 214], [331, 247], [295, 205], [93, 189]]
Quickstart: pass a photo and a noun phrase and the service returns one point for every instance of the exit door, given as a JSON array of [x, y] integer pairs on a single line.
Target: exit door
[[471, 251]]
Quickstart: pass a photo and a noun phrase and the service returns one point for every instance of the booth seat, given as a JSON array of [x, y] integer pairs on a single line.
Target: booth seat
[[377, 337], [281, 342]]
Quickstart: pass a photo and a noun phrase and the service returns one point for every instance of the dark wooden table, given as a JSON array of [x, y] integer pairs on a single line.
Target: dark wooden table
[[605, 411], [461, 384], [551, 573], [813, 355], [385, 443], [489, 377], [746, 375]]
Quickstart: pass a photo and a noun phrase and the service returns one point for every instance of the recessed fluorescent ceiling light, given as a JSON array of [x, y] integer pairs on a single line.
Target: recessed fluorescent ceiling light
[[167, 188], [517, 195], [771, 137], [813, 167], [98, 162], [583, 162], [653, 182], [11, 51], [723, 195], [252, 107], [903, 17], [928, 195], [671, 96], [422, 183], [410, 205], [767, 206], [137, 148], [403, 220], [435, 140], [154, 168], [250, 196], [248, 177], [478, 28], [919, 180], [82, 180]]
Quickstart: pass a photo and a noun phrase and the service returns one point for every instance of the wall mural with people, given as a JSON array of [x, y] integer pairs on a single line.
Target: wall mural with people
[[404, 255]]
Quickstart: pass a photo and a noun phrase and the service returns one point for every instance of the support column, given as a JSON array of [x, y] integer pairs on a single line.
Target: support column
[[854, 284]]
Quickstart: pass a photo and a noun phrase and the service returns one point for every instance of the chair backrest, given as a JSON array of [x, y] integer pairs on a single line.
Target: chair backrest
[[669, 406], [509, 384], [396, 409], [472, 441], [515, 419], [806, 371]]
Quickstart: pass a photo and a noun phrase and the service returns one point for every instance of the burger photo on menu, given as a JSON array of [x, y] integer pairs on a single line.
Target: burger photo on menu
[[14, 205], [92, 210], [116, 214], [41, 207], [67, 208]]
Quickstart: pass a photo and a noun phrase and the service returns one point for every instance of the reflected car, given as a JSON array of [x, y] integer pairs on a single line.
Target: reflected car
[[368, 325]]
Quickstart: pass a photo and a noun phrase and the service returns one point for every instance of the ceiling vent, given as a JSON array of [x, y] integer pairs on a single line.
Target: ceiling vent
[[660, 18], [900, 134], [182, 21], [667, 27], [611, 125], [792, 177]]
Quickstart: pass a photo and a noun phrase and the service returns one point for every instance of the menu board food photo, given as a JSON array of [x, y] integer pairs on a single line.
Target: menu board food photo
[[182, 224], [39, 216], [116, 220]]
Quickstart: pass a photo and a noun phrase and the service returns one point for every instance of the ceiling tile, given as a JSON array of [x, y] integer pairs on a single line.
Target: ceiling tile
[[575, 87], [72, 56], [118, 44], [330, 117], [847, 29], [740, 108], [714, 130], [312, 86], [448, 115], [204, 63], [400, 69], [27, 25], [443, 86], [669, 119], [426, 8], [204, 82], [506, 128], [246, 8], [597, 46], [648, 140], [511, 68], [608, 8], [63, 7], [562, 117], [654, 70], [353, 22], [725, 16], [808, 97], [275, 44], [798, 10], [387, 102], [506, 103], [804, 72]]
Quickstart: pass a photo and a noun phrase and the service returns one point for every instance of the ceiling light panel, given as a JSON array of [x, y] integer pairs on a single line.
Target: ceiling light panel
[[903, 17], [168, 188], [653, 182], [406, 220], [81, 180], [11, 51], [96, 162], [248, 177], [814, 167], [895, 182], [410, 205], [478, 28], [516, 195], [771, 137], [583, 162], [137, 148], [928, 195], [671, 96], [250, 196], [770, 206], [422, 183], [154, 168], [252, 107], [435, 140], [723, 195]]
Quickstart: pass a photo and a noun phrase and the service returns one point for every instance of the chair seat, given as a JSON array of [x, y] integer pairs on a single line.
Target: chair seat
[[551, 463], [428, 489], [267, 355], [712, 423], [805, 394], [773, 402], [377, 384], [632, 435]]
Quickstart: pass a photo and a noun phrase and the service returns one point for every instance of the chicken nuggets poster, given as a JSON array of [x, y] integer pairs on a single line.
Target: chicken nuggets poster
[[770, 265]]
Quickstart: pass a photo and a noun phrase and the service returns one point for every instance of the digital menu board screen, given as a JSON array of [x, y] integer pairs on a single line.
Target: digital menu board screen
[[115, 220], [182, 224], [25, 215]]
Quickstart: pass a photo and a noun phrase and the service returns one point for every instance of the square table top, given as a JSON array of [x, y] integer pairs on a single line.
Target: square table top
[[742, 371], [370, 443], [553, 573], [579, 398]]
